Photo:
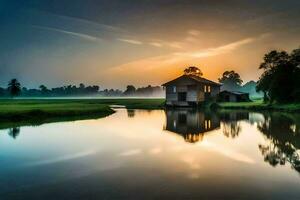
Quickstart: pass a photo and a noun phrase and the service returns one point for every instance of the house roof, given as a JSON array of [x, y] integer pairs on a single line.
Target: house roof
[[195, 78], [234, 92]]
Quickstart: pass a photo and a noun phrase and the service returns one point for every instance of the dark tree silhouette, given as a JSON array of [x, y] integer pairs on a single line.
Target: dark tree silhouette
[[273, 59], [192, 70], [231, 80], [280, 79], [14, 87], [130, 90], [14, 132], [44, 89]]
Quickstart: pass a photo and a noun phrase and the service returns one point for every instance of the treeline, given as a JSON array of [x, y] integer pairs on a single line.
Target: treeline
[[15, 89]]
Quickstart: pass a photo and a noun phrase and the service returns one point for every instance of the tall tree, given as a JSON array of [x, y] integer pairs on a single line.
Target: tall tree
[[280, 78], [14, 87], [130, 90], [231, 80], [192, 70], [44, 89]]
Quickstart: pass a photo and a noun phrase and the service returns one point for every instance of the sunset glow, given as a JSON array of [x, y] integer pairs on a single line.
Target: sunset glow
[[112, 44]]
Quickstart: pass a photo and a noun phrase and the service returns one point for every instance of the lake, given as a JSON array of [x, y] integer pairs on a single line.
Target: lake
[[156, 154]]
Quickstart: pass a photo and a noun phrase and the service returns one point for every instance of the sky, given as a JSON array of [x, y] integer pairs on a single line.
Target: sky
[[114, 43]]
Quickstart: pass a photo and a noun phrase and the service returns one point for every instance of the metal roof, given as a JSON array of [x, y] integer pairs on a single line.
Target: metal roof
[[234, 92]]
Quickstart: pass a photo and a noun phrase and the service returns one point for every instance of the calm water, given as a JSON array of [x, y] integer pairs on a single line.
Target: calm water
[[136, 154]]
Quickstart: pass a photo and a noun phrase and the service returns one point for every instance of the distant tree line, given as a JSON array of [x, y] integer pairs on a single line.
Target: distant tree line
[[14, 89]]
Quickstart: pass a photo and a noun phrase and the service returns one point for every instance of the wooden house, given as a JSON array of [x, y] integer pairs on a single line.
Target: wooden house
[[233, 96], [190, 90]]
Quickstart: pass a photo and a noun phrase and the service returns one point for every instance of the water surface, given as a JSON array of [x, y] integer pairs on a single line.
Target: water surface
[[138, 154]]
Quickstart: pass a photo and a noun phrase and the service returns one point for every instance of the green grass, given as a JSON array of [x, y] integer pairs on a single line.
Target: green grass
[[260, 105], [16, 112]]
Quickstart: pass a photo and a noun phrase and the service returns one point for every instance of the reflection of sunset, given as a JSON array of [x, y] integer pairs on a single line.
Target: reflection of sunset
[[138, 150]]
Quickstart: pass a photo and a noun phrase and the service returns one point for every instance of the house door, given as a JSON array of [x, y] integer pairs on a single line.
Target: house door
[[181, 96]]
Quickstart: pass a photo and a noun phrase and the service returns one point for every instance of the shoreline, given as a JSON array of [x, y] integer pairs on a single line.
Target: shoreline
[[258, 106], [18, 112], [21, 112]]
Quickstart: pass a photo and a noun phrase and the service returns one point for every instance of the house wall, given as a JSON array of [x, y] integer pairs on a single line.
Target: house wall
[[232, 98], [194, 92], [200, 93], [215, 90], [170, 95]]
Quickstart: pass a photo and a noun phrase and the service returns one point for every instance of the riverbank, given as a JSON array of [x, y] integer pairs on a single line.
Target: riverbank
[[259, 105], [15, 112]]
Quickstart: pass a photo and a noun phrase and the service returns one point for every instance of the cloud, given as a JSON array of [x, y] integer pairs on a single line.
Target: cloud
[[131, 41], [63, 158], [229, 153], [194, 32], [176, 45], [156, 44], [216, 51], [130, 152], [79, 22], [155, 150], [76, 34], [173, 58]]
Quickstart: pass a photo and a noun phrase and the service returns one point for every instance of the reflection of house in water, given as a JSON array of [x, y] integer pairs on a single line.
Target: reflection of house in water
[[192, 124]]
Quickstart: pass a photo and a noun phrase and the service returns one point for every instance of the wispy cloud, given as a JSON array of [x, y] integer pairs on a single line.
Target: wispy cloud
[[63, 158], [76, 34], [131, 152], [173, 58], [80, 22], [216, 51], [176, 45], [194, 32], [227, 152], [131, 41], [156, 44]]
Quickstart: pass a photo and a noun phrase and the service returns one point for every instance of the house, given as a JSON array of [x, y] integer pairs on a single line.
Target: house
[[191, 124], [188, 90], [230, 96]]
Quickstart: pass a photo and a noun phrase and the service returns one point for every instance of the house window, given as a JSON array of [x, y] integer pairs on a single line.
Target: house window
[[207, 124], [207, 88], [174, 89]]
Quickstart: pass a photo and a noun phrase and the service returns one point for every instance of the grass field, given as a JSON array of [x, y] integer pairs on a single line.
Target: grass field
[[38, 111], [260, 105]]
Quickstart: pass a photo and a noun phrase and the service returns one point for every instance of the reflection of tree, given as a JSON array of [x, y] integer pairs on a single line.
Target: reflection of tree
[[231, 129], [14, 132], [231, 122], [284, 140], [130, 113]]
